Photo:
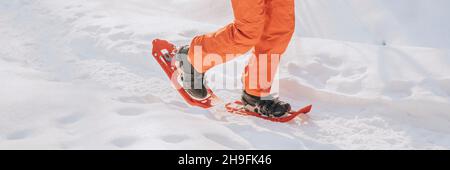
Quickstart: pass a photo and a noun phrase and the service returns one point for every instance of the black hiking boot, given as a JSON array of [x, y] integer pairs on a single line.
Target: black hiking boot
[[270, 107], [193, 81]]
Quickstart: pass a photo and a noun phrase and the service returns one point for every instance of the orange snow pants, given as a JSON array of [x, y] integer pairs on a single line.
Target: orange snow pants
[[266, 26]]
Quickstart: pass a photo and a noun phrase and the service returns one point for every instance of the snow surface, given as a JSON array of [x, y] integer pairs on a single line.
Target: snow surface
[[77, 74]]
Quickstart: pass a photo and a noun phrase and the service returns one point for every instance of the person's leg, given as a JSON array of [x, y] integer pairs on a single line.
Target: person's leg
[[278, 31], [236, 38]]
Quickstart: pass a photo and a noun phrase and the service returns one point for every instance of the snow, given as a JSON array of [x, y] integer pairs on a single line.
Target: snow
[[78, 74]]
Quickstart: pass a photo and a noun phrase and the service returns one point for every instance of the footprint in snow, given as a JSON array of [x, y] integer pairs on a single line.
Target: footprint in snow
[[225, 141], [79, 15], [123, 142], [98, 16], [18, 135], [131, 111], [70, 119], [174, 138]]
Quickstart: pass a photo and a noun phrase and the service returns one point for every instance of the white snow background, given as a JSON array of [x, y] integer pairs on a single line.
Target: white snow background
[[78, 74]]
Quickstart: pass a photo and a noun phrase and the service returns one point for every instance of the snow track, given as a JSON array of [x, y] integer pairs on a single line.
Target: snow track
[[78, 75]]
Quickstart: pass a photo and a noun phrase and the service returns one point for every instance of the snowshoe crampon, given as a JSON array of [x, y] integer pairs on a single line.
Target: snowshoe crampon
[[239, 108], [164, 53]]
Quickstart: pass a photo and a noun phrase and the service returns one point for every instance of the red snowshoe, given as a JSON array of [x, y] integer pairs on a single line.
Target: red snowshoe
[[164, 53]]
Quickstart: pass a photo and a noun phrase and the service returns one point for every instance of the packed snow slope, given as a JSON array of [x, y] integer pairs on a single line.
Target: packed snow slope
[[78, 74]]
